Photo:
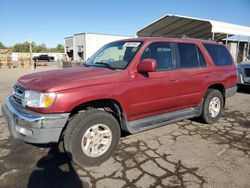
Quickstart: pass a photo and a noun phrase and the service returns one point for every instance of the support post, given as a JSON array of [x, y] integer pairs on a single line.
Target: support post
[[213, 36], [30, 46], [237, 51], [226, 39], [248, 46]]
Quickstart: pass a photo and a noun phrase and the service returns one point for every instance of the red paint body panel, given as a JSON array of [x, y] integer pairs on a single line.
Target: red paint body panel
[[140, 95], [147, 65]]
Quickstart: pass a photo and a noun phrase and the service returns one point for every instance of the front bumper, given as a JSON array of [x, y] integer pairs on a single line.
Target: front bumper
[[33, 127]]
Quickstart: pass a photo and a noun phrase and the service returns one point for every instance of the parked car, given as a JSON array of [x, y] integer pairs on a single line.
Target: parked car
[[43, 57], [129, 85], [243, 70], [248, 58]]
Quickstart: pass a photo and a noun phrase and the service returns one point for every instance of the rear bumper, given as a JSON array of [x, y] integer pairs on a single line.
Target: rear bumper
[[33, 127], [229, 92]]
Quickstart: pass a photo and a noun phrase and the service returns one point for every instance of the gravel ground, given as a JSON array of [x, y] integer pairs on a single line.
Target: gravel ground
[[184, 154]]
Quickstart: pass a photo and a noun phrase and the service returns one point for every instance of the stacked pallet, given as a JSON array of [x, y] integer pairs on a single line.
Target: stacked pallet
[[24, 60], [5, 61], [67, 64]]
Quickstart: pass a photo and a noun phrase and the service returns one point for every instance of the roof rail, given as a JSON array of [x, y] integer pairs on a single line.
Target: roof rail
[[187, 37]]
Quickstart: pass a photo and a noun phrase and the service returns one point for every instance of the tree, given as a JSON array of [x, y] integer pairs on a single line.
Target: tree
[[40, 48], [60, 48], [2, 46], [21, 47]]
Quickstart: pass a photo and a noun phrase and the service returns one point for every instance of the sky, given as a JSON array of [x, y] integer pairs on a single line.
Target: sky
[[50, 21]]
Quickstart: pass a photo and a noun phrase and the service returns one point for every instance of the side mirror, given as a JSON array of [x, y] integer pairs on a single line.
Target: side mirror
[[147, 65]]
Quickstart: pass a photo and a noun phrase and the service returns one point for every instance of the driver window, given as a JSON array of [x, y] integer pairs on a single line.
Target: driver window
[[163, 54]]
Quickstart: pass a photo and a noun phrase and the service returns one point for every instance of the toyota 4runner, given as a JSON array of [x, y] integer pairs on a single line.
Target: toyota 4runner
[[129, 85]]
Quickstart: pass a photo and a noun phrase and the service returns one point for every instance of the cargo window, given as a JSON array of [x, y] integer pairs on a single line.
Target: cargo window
[[219, 54], [162, 52]]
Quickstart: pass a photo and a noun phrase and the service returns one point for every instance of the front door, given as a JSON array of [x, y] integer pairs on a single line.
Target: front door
[[155, 92]]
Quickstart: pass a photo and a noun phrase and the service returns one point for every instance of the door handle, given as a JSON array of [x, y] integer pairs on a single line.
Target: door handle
[[173, 80]]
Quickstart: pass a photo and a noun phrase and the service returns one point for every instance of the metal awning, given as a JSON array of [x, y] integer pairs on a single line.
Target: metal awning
[[176, 25]]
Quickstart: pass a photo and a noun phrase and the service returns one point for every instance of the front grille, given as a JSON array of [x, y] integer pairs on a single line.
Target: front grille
[[247, 72], [18, 94], [18, 100]]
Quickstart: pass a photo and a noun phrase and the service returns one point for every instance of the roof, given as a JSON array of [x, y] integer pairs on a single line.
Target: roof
[[92, 33], [68, 37], [235, 39], [176, 25], [167, 39], [77, 34]]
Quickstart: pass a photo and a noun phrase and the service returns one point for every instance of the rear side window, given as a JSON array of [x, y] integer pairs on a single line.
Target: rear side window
[[219, 54], [190, 56]]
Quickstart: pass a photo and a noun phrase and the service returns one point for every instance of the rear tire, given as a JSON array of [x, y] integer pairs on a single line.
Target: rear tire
[[213, 106], [91, 137]]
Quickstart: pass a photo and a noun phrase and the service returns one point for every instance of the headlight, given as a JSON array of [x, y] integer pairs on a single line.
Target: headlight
[[239, 69], [39, 100]]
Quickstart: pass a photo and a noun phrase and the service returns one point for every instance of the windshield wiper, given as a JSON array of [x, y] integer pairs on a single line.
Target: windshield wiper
[[105, 65], [85, 65]]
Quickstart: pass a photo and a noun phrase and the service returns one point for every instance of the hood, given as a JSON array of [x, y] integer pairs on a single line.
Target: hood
[[56, 80]]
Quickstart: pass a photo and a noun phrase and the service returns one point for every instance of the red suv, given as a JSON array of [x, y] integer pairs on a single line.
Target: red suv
[[131, 85]]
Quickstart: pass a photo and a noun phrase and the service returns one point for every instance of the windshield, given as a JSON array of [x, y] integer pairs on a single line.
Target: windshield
[[115, 55]]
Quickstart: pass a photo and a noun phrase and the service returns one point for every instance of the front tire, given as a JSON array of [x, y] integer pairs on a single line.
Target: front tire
[[91, 137], [213, 106]]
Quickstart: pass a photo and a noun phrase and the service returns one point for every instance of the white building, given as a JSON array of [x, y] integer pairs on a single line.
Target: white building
[[81, 46]]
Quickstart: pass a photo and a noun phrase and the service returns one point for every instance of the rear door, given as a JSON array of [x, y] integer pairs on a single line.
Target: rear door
[[193, 73]]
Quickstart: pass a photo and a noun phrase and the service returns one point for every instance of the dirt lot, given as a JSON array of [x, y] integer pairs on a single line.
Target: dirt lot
[[184, 154]]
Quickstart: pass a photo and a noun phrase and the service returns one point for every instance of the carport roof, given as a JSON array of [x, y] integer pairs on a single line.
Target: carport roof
[[176, 25]]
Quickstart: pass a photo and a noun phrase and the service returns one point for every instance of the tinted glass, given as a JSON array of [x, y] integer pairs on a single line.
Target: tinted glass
[[162, 52], [188, 55], [219, 54], [115, 55]]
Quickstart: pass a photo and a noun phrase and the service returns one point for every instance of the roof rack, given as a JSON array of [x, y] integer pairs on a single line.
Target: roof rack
[[187, 37]]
